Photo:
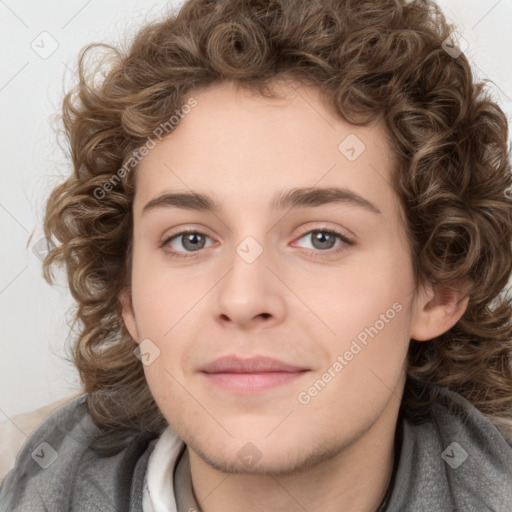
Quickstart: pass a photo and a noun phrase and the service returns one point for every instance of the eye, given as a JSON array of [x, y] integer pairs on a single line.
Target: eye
[[325, 239], [192, 241]]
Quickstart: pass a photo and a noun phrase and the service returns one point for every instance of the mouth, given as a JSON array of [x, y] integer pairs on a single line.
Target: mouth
[[250, 375]]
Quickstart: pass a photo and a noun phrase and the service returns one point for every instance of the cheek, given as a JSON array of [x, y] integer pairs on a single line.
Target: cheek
[[162, 297], [365, 367], [360, 293], [368, 314], [166, 304]]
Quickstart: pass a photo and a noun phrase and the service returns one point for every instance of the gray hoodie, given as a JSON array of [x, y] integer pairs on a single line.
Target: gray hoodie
[[455, 460]]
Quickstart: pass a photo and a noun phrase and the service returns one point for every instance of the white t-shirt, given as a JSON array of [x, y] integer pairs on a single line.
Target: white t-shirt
[[158, 492]]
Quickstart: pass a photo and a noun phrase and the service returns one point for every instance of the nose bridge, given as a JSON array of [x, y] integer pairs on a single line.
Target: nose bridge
[[248, 262], [249, 289], [250, 239]]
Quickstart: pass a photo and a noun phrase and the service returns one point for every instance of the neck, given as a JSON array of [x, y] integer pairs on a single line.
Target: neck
[[352, 479]]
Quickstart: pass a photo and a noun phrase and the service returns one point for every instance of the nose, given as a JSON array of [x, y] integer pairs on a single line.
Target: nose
[[250, 294]]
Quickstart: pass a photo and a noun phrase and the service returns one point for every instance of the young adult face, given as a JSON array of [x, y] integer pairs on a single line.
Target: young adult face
[[324, 287]]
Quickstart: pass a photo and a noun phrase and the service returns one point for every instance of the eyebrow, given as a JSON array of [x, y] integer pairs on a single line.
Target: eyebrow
[[288, 199]]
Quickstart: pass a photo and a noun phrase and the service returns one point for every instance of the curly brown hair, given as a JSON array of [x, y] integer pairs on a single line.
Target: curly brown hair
[[369, 58]]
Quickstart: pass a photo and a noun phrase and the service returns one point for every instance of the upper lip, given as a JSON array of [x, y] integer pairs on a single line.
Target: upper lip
[[257, 364]]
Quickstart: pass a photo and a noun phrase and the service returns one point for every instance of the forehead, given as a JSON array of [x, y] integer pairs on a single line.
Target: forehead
[[237, 143]]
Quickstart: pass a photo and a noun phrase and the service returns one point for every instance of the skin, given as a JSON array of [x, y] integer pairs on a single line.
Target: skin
[[297, 301]]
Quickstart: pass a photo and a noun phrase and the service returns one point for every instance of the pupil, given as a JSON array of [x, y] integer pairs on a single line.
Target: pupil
[[325, 239], [192, 239]]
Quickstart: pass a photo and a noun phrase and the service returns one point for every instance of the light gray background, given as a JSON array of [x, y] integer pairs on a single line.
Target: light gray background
[[33, 316]]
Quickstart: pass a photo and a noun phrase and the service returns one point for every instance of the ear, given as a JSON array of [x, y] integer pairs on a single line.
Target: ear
[[125, 299], [438, 307]]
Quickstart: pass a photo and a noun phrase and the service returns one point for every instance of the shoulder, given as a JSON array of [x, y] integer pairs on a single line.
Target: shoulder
[[456, 420], [455, 458], [60, 466]]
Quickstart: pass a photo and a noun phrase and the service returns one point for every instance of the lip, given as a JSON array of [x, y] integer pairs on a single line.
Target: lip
[[256, 364], [250, 375]]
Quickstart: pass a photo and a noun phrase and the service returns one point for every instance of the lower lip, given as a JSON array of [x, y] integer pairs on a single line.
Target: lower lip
[[251, 382]]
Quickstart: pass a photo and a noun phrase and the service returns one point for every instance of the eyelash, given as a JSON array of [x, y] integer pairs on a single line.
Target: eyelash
[[343, 238]]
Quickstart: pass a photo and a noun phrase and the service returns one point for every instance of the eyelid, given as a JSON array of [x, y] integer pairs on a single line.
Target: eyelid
[[347, 240], [184, 231], [308, 229]]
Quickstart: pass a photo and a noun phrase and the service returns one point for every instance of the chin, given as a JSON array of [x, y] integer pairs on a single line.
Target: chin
[[249, 458], [275, 454]]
